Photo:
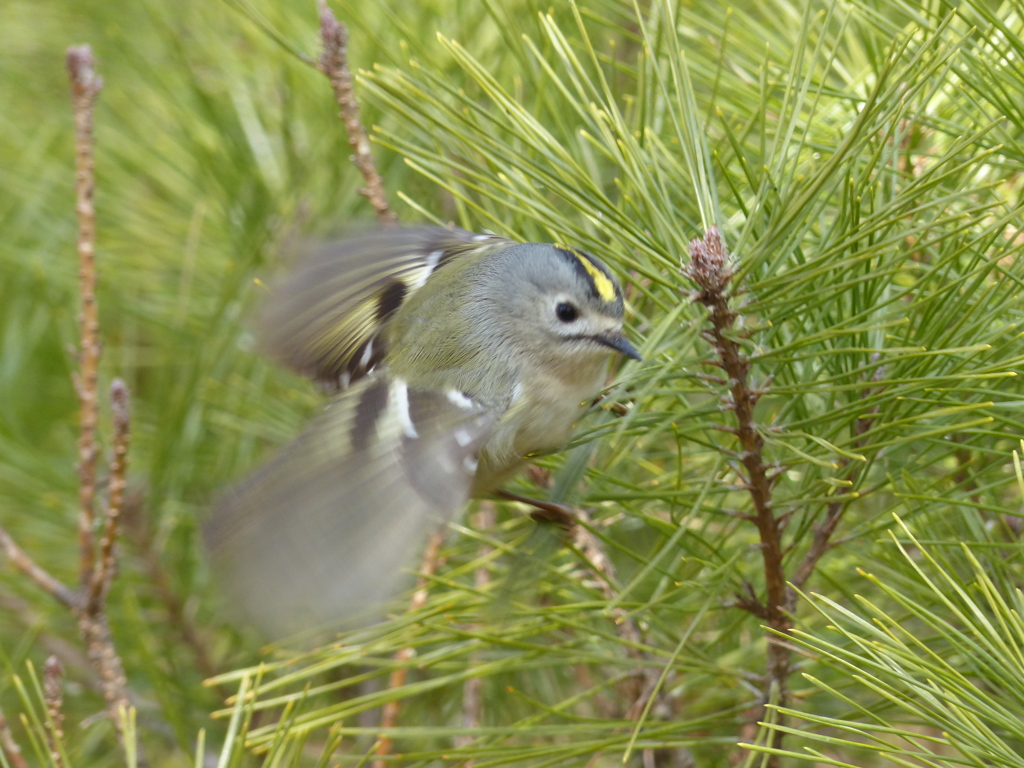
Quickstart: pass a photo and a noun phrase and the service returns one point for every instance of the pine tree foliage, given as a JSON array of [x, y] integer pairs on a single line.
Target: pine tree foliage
[[861, 162], [864, 183]]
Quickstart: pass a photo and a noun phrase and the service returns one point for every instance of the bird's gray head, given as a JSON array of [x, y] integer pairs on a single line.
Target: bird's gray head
[[558, 300]]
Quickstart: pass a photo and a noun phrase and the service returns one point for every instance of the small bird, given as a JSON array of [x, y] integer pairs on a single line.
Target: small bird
[[453, 356]]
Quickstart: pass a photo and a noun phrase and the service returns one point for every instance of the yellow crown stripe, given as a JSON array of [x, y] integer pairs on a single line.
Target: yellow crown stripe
[[605, 287]]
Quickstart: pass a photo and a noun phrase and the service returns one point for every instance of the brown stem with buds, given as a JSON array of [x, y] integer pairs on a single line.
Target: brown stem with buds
[[333, 62], [96, 564], [85, 87], [53, 695], [104, 572], [389, 716], [709, 269]]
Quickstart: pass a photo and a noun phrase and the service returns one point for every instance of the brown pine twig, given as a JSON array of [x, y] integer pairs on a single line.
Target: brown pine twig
[[389, 715], [748, 601], [92, 625], [92, 621], [88, 602], [49, 584], [104, 573], [53, 696], [99, 646], [9, 746], [333, 62], [709, 269], [85, 87], [472, 700]]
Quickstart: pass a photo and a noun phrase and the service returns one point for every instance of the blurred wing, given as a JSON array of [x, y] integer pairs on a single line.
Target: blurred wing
[[320, 534], [325, 320]]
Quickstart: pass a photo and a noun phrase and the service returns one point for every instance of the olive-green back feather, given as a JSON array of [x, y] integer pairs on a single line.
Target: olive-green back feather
[[325, 320]]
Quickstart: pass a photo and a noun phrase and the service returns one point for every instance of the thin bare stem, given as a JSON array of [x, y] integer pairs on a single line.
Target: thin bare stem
[[121, 408], [89, 603], [99, 645], [92, 625], [472, 700], [333, 62], [85, 86], [20, 560], [389, 715], [53, 695], [709, 269], [749, 602]]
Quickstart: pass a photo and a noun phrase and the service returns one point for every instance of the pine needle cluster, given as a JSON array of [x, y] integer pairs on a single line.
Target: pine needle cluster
[[799, 528]]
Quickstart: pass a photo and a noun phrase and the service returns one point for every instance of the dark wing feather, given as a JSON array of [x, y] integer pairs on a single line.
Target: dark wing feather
[[320, 535], [325, 320]]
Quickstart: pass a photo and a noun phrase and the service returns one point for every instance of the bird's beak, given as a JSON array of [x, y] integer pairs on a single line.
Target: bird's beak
[[619, 343]]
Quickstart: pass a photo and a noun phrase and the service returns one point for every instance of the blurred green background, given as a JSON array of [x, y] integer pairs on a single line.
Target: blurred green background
[[863, 162]]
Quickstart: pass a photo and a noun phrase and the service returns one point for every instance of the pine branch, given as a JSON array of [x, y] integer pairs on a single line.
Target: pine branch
[[24, 563], [104, 573], [472, 694], [96, 564], [85, 87], [709, 269], [333, 62], [53, 696], [389, 715]]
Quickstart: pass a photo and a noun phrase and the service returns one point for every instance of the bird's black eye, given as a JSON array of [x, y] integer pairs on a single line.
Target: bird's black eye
[[566, 312]]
